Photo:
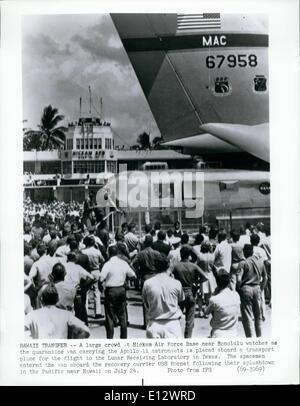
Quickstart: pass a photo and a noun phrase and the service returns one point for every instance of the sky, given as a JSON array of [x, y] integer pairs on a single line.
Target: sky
[[62, 55]]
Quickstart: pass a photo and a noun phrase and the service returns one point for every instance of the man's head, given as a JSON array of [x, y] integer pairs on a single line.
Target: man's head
[[34, 243], [89, 241], [78, 237], [235, 235], [222, 278], [184, 239], [67, 228], [199, 239], [49, 296], [124, 227], [27, 228], [157, 226], [161, 263], [260, 226], [185, 253], [58, 272], [53, 233], [205, 248], [70, 239], [148, 241], [41, 249], [121, 248], [222, 236], [212, 233], [52, 246], [131, 227], [112, 251], [202, 230], [72, 257], [27, 248], [170, 233], [119, 237], [161, 235], [73, 245], [177, 225], [248, 250], [148, 228], [254, 239]]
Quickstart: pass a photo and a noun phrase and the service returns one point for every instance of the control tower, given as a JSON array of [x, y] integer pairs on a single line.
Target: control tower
[[88, 150]]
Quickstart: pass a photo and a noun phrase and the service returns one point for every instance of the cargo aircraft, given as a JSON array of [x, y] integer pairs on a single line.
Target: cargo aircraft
[[205, 77]]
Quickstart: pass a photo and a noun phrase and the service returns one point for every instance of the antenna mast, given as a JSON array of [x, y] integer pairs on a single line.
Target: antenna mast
[[101, 108], [80, 106], [90, 92]]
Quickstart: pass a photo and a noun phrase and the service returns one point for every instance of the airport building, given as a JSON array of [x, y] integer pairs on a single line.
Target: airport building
[[88, 158]]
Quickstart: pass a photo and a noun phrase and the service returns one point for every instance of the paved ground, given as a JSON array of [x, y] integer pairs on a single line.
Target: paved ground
[[135, 315]]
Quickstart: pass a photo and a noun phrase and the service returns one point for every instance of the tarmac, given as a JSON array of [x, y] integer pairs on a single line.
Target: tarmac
[[135, 317]]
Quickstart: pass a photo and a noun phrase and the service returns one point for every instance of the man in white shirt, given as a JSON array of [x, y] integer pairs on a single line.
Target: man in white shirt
[[63, 250], [261, 233], [161, 296], [75, 272], [49, 322], [75, 276], [224, 306], [244, 238], [222, 252], [262, 256], [259, 252], [114, 274], [42, 268], [66, 291], [131, 239], [174, 255], [95, 261]]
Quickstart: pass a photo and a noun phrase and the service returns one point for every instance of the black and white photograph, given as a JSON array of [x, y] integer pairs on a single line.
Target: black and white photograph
[[149, 165], [146, 176]]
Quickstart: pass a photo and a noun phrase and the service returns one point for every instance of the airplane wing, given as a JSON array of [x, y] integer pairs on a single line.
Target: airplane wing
[[252, 139], [206, 143]]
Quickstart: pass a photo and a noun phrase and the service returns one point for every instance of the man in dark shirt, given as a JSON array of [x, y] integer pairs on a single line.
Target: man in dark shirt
[[80, 300], [160, 245], [87, 208], [144, 262], [103, 234], [144, 265], [251, 281], [188, 274]]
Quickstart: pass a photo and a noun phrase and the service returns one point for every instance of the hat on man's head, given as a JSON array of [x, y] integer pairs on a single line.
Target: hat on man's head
[[174, 240]]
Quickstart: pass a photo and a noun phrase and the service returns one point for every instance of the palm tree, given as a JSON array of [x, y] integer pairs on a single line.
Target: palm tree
[[48, 136], [144, 140], [156, 142]]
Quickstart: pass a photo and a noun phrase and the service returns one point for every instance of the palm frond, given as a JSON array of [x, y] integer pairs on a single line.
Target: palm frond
[[56, 140], [61, 128], [34, 133], [55, 121]]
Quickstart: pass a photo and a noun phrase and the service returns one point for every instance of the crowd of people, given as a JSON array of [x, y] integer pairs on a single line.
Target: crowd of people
[[73, 264]]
